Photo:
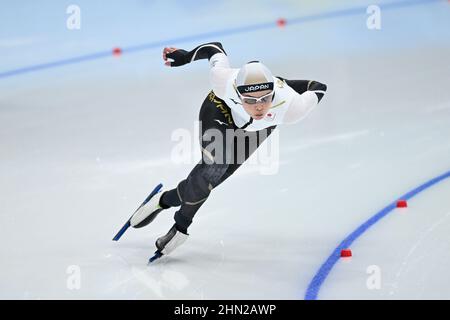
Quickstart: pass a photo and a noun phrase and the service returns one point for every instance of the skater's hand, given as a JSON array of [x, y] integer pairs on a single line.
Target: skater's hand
[[178, 57]]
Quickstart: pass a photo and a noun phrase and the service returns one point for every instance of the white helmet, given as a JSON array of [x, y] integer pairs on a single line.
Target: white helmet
[[253, 77]]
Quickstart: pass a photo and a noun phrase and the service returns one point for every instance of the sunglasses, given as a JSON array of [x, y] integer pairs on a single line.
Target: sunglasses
[[251, 100]]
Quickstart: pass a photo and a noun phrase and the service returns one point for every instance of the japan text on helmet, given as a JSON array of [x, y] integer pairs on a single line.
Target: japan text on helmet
[[253, 77]]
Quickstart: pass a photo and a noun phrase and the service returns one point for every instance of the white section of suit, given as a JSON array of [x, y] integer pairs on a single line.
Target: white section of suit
[[288, 106]]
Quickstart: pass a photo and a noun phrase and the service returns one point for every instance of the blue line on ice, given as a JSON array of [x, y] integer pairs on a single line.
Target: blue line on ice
[[321, 275], [211, 35]]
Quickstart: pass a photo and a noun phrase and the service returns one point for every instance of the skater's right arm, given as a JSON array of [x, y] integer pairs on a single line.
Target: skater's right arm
[[220, 71], [180, 57]]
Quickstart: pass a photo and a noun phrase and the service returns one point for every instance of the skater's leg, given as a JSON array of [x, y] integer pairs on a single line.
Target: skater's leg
[[214, 115], [214, 168], [170, 199], [215, 119], [196, 189], [192, 192]]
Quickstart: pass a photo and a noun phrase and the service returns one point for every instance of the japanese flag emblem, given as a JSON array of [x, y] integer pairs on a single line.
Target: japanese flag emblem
[[270, 116]]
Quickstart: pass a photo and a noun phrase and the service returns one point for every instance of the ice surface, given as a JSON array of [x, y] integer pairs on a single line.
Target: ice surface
[[82, 146]]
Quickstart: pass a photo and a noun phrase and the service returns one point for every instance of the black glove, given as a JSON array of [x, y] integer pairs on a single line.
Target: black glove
[[180, 57], [205, 51], [315, 85]]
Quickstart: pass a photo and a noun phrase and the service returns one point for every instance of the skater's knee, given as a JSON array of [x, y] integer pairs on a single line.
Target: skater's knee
[[194, 190], [208, 177], [213, 175]]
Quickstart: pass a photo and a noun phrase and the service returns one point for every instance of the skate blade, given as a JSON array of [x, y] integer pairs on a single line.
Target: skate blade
[[157, 255], [127, 224], [122, 231]]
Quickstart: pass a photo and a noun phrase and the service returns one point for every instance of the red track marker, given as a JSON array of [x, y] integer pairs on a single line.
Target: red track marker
[[402, 204], [346, 253], [117, 52], [281, 22]]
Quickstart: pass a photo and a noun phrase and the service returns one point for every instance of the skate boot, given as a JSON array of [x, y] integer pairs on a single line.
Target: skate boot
[[148, 212], [166, 244]]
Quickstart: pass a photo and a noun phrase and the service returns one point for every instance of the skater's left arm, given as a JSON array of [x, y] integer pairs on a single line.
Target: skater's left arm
[[301, 86], [309, 94]]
